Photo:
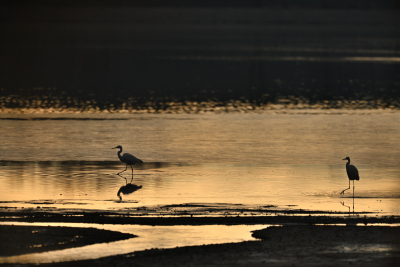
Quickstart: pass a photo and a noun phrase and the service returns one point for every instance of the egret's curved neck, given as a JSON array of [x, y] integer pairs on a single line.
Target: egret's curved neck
[[348, 162], [119, 153]]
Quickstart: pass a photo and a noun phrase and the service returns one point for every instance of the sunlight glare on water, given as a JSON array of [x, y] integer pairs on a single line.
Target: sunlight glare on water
[[299, 137]]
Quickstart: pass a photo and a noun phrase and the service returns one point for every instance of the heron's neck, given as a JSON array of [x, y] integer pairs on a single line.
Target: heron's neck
[[119, 153], [348, 162]]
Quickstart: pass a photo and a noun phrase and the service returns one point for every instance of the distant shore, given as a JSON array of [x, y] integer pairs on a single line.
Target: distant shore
[[195, 107]]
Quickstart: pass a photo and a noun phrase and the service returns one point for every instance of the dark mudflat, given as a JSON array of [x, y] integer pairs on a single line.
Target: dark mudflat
[[18, 240], [279, 246], [301, 241]]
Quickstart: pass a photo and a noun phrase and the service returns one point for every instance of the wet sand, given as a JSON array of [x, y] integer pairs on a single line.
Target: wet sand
[[300, 241]]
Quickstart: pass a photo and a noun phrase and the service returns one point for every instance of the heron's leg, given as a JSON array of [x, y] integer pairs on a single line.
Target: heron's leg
[[353, 196], [345, 189], [126, 181], [126, 167]]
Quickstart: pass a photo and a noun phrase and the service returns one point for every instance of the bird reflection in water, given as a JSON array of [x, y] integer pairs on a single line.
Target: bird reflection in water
[[343, 204], [127, 189]]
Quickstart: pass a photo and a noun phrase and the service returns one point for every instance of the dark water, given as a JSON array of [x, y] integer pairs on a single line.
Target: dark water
[[138, 55]]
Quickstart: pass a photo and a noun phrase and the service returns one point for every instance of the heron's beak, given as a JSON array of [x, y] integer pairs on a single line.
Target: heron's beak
[[114, 147], [344, 159]]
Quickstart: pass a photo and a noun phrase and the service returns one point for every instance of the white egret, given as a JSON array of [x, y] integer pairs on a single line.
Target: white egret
[[352, 173], [128, 159]]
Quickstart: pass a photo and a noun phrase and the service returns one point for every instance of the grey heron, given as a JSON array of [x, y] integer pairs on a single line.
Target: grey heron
[[128, 159], [352, 173]]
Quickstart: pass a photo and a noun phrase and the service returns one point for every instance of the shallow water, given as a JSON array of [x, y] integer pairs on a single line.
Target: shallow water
[[95, 186], [294, 158]]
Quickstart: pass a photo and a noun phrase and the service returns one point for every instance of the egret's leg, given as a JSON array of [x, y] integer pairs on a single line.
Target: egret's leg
[[345, 189], [126, 167], [126, 181], [353, 196]]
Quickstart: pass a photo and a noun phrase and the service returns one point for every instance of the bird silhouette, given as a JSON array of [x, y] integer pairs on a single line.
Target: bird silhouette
[[352, 173], [128, 159]]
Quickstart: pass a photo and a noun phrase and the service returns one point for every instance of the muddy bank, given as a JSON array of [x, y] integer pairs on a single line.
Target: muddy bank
[[196, 214], [206, 220], [278, 246], [18, 240]]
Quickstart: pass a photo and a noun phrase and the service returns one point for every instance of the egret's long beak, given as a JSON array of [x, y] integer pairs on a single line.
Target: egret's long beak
[[114, 147]]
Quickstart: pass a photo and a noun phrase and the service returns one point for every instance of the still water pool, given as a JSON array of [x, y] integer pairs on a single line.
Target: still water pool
[[148, 237]]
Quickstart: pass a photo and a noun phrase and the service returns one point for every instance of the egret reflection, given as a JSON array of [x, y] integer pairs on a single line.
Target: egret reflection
[[128, 188], [344, 204]]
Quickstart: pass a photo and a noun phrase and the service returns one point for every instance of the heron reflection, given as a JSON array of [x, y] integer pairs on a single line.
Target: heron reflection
[[343, 204], [128, 188]]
